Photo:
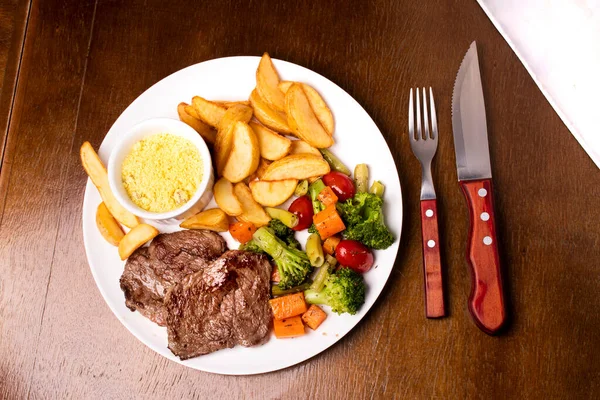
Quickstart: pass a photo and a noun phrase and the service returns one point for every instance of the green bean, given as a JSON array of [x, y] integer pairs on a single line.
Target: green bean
[[377, 188], [276, 291], [314, 189], [331, 260], [314, 250], [334, 162], [290, 220], [301, 188], [361, 177]]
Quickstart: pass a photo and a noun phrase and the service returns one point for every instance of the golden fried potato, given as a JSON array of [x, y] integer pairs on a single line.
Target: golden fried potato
[[108, 226], [244, 156], [296, 166], [225, 198], [224, 141], [260, 171], [301, 147], [135, 239], [269, 117], [302, 119], [285, 85], [267, 82], [228, 104], [207, 133], [97, 172], [213, 220], [320, 108], [208, 111], [272, 145], [253, 212], [273, 193]]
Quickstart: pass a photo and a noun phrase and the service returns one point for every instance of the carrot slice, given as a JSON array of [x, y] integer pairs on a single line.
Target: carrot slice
[[328, 222], [289, 327], [288, 306], [330, 244], [242, 231], [327, 196], [314, 317]]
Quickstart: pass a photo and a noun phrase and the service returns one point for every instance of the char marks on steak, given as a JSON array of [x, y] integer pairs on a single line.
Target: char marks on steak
[[225, 304]]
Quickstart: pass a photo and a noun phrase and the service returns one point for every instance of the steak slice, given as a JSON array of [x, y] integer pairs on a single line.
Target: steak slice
[[151, 271], [225, 304]]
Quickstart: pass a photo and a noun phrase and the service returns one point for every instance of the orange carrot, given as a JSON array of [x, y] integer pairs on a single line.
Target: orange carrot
[[328, 222], [288, 328], [288, 306], [331, 243], [242, 231], [327, 197], [314, 317]]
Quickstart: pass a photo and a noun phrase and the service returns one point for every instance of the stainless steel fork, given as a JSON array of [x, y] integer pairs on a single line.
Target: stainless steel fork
[[424, 145]]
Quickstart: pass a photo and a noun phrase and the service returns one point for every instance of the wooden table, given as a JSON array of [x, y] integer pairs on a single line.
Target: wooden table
[[69, 68]]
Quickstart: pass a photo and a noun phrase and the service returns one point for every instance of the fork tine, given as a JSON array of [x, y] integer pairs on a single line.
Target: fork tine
[[411, 117], [425, 116], [419, 136], [434, 128]]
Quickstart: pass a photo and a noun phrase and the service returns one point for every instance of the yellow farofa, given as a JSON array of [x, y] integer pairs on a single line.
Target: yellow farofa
[[162, 172]]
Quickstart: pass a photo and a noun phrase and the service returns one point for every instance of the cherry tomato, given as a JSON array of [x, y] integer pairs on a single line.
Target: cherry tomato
[[342, 186], [354, 255], [303, 208]]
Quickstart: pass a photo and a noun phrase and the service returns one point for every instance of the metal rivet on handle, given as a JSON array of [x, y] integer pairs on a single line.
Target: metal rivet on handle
[[482, 192], [429, 213], [485, 216], [487, 240], [431, 243]]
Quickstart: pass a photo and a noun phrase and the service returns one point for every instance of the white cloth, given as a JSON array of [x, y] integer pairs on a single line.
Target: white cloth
[[558, 41]]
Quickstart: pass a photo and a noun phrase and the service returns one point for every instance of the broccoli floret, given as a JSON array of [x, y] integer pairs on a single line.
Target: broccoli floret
[[251, 246], [363, 216], [313, 228], [344, 292], [284, 233], [292, 264]]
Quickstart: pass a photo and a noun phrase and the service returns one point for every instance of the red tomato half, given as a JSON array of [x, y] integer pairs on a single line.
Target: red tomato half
[[303, 208], [354, 255], [342, 186]]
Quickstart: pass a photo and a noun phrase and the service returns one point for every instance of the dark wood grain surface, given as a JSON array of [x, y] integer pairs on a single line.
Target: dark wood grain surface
[[78, 64]]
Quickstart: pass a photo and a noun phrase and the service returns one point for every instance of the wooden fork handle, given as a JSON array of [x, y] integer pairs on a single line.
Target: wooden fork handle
[[432, 266], [486, 302]]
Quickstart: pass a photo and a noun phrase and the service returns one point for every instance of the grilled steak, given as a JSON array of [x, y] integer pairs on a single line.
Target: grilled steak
[[225, 304], [151, 271]]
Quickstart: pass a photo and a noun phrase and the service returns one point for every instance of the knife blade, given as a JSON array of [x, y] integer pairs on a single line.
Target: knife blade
[[486, 301]]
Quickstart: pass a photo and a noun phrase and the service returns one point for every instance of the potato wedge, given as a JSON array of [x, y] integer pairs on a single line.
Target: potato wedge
[[245, 154], [301, 147], [108, 226], [296, 166], [320, 108], [225, 198], [273, 193], [205, 130], [260, 171], [253, 212], [267, 82], [208, 111], [272, 145], [191, 111], [213, 220], [228, 104], [97, 172], [224, 141], [269, 117], [284, 86], [302, 119], [237, 112], [135, 239]]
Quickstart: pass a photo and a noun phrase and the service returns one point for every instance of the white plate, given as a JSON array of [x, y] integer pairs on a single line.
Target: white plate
[[358, 140]]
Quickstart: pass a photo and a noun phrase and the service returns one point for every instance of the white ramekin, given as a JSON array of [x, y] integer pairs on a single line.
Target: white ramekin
[[151, 127]]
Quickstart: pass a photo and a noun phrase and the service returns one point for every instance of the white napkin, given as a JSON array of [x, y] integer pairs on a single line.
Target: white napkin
[[558, 41]]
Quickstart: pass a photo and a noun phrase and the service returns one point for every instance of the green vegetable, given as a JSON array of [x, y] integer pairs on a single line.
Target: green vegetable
[[290, 220], [313, 229], [323, 273], [292, 264], [361, 177], [344, 292], [277, 291], [314, 250], [301, 188], [363, 217], [377, 188], [251, 246], [313, 190], [334, 162], [281, 231]]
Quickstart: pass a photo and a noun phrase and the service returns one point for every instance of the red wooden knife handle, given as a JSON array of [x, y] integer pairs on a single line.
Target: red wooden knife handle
[[432, 266], [486, 302]]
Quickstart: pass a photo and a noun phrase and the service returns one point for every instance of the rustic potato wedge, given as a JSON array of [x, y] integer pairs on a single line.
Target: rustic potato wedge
[[296, 166], [267, 82], [207, 133], [272, 145], [108, 226], [213, 220], [245, 154], [97, 172], [225, 198], [301, 147], [228, 104], [135, 239], [208, 111], [224, 140], [320, 108], [253, 212], [273, 193], [236, 112], [191, 111], [302, 119], [269, 117], [284, 86], [260, 171]]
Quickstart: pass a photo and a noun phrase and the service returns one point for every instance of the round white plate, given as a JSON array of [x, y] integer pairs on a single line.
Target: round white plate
[[358, 140]]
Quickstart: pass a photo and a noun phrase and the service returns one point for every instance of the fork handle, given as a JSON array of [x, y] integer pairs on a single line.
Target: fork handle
[[432, 266], [486, 302]]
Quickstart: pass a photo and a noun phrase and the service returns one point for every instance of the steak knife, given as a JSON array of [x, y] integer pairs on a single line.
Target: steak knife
[[486, 301]]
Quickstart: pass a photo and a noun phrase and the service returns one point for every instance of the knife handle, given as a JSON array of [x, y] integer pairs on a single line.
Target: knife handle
[[486, 302], [432, 266]]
